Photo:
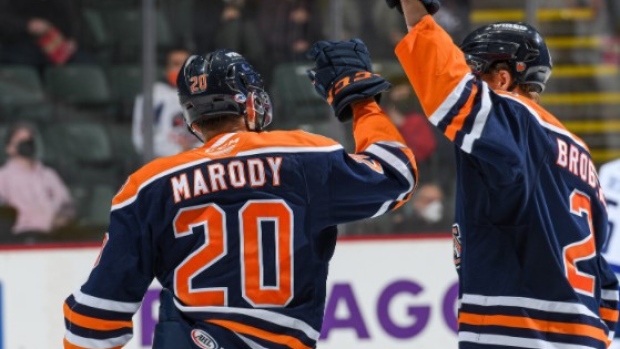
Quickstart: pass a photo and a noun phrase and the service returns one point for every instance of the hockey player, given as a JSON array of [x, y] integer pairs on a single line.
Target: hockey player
[[609, 176], [240, 231], [530, 215]]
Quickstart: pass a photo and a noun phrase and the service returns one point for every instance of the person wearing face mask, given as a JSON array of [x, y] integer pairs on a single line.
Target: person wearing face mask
[[425, 213], [42, 200], [170, 135]]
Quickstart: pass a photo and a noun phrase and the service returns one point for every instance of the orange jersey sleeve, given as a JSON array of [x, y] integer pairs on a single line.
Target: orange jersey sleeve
[[443, 68], [370, 125]]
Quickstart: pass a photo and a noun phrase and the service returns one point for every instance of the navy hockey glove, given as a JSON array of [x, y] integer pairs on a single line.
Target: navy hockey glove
[[432, 6], [343, 74]]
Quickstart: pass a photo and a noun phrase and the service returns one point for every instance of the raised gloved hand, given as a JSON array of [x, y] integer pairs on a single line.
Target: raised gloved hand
[[432, 6], [343, 74]]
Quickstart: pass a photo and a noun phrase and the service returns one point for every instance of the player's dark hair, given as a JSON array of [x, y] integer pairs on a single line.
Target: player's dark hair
[[217, 123]]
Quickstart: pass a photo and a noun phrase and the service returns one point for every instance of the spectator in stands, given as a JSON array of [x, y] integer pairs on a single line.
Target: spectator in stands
[[170, 135], [289, 27], [226, 24], [425, 213], [40, 33], [42, 200]]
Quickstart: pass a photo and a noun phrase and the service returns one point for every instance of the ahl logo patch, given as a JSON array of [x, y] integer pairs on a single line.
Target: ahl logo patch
[[204, 340], [458, 248]]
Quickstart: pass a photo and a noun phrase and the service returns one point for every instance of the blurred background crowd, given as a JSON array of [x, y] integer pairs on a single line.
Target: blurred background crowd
[[71, 87]]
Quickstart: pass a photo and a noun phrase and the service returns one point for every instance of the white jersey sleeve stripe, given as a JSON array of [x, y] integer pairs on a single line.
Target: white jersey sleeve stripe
[[480, 121], [384, 208], [517, 342], [97, 343], [447, 104], [395, 163], [250, 343], [530, 303], [609, 295], [105, 304]]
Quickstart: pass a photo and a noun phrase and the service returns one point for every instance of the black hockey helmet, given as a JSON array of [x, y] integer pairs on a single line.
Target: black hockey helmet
[[223, 83], [518, 44]]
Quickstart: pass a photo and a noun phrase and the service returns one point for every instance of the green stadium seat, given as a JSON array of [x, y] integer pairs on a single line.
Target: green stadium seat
[[110, 4], [94, 204], [21, 94], [295, 100], [99, 36], [83, 85], [123, 149], [389, 69], [125, 81], [81, 152], [20, 84], [125, 28]]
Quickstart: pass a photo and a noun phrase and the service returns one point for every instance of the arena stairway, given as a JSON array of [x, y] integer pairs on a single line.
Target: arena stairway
[[583, 92]]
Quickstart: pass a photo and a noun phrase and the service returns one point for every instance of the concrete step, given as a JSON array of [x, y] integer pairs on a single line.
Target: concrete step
[[551, 22], [542, 15], [583, 78], [514, 4], [576, 112]]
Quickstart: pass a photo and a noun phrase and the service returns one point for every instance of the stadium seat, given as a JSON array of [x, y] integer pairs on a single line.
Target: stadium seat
[[98, 35], [294, 98], [123, 149], [94, 205], [110, 4], [21, 94], [389, 69], [125, 28], [81, 152], [83, 85], [125, 83]]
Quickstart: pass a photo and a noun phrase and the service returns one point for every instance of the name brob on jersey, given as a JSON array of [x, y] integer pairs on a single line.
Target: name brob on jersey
[[530, 214], [242, 231]]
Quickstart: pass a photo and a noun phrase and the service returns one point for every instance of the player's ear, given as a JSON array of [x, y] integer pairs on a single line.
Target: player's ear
[[503, 80], [500, 80]]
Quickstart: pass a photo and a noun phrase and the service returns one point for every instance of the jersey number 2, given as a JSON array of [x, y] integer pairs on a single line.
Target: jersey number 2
[[580, 250], [213, 219]]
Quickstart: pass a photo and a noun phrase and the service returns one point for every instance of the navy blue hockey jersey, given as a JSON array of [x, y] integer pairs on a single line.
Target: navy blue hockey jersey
[[242, 231], [530, 215]]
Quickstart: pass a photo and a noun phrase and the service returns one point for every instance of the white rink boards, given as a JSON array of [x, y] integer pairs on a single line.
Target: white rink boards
[[382, 293]]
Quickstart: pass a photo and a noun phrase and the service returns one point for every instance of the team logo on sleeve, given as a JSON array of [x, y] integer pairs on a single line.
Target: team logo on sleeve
[[106, 237], [366, 160], [456, 239], [204, 340]]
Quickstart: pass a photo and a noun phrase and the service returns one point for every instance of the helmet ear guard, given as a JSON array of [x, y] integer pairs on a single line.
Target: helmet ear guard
[[258, 110]]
